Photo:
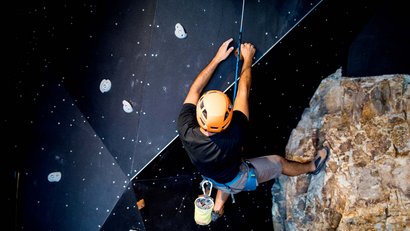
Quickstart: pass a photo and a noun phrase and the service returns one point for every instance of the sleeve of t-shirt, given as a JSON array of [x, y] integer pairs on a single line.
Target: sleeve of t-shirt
[[186, 118], [241, 121]]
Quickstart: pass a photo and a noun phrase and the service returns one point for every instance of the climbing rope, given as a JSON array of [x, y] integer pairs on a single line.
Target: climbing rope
[[238, 57]]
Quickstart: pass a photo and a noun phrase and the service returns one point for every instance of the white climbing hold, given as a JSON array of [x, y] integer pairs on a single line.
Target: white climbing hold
[[126, 106], [54, 177], [180, 31], [105, 85]]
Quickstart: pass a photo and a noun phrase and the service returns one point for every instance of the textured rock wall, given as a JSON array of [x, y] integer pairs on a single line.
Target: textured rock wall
[[366, 183]]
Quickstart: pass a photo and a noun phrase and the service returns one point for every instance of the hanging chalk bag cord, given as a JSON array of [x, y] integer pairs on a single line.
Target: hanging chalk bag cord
[[204, 205]]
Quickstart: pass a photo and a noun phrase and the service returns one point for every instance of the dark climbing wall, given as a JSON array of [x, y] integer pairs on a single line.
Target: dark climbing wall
[[58, 121], [63, 142], [382, 47]]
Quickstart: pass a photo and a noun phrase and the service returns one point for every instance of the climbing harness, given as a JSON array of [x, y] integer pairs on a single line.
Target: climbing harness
[[238, 57], [204, 205], [251, 181]]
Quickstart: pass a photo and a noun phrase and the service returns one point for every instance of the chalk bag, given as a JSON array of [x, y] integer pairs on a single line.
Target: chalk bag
[[204, 205]]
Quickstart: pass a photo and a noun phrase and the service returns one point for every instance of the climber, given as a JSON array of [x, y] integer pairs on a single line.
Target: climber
[[212, 132]]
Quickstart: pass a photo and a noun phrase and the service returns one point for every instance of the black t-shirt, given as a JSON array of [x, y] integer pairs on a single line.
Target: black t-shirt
[[218, 156]]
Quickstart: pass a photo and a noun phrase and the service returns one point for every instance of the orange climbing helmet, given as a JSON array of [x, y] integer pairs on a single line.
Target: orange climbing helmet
[[214, 111]]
